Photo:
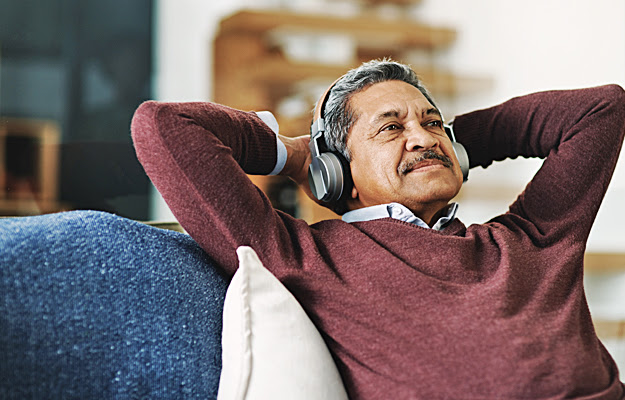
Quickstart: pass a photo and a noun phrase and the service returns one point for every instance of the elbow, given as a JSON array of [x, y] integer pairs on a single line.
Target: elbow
[[148, 124], [146, 132], [144, 119], [611, 100], [614, 95], [617, 104]]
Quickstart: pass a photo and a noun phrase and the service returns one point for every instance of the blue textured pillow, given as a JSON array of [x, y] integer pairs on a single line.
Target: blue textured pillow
[[98, 306]]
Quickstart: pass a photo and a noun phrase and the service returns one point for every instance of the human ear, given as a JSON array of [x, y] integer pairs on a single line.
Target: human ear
[[352, 201], [354, 192]]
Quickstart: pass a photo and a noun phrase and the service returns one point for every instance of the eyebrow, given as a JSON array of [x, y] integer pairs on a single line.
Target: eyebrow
[[384, 115], [395, 113], [433, 111]]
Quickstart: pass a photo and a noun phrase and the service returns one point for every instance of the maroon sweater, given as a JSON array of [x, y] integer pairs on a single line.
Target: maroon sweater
[[489, 311]]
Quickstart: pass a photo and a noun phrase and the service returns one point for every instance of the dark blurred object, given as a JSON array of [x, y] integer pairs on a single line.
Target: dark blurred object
[[29, 166], [87, 65], [104, 176]]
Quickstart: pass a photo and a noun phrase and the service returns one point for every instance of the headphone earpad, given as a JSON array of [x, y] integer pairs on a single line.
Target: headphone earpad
[[328, 181], [463, 159]]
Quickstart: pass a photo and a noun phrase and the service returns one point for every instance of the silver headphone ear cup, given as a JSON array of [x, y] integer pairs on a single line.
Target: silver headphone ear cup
[[315, 182], [463, 159], [333, 176], [326, 181]]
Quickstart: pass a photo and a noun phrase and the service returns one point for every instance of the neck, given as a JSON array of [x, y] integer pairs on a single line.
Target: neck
[[430, 216]]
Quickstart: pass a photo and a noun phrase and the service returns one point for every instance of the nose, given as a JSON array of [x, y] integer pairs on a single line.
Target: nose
[[419, 139]]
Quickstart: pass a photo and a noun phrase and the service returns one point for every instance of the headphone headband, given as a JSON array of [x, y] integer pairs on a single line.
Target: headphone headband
[[321, 104], [328, 172]]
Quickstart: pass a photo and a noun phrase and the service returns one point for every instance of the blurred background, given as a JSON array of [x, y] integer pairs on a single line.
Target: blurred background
[[72, 72]]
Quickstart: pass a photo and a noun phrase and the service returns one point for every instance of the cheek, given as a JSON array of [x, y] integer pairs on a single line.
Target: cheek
[[362, 169], [367, 170], [451, 153], [378, 163]]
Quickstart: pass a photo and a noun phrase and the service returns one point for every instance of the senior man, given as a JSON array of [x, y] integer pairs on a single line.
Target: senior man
[[411, 302]]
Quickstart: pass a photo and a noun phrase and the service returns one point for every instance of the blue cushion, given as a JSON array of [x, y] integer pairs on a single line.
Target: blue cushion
[[93, 305]]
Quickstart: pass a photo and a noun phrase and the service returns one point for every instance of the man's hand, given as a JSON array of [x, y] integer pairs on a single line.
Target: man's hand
[[297, 162]]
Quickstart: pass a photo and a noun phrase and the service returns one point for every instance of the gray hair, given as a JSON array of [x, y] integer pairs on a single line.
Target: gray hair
[[339, 117]]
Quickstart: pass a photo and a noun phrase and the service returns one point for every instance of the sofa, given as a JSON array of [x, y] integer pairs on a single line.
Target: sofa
[[94, 305]]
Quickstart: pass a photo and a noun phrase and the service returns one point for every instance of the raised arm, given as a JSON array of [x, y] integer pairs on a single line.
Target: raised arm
[[197, 155], [579, 133]]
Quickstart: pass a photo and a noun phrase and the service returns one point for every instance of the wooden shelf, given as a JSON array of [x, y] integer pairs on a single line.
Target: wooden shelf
[[610, 329], [29, 163], [406, 33], [604, 262], [31, 206], [396, 2], [277, 70]]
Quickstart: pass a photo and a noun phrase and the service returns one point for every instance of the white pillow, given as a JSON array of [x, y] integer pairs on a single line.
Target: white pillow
[[271, 349]]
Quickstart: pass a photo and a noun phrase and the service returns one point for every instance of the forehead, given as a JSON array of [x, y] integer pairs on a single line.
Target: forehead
[[384, 95]]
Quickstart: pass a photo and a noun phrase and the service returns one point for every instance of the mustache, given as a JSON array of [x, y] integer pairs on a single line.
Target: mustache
[[407, 165]]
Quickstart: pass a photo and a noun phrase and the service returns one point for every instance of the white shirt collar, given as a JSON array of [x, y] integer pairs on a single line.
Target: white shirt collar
[[399, 212]]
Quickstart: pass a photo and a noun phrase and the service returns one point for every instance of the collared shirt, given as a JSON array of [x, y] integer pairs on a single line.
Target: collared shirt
[[399, 212]]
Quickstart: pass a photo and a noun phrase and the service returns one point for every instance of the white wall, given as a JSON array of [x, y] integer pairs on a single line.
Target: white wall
[[183, 70], [523, 46]]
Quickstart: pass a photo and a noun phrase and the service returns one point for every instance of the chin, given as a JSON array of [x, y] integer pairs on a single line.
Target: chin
[[439, 189], [440, 199]]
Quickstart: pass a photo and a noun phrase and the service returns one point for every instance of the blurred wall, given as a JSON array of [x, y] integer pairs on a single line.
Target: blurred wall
[[523, 46]]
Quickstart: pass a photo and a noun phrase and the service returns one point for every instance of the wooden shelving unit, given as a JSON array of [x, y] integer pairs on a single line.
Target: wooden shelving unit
[[251, 72], [610, 329], [29, 164], [606, 264], [397, 2], [276, 70], [368, 29]]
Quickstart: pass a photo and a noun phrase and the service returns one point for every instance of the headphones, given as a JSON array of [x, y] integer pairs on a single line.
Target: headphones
[[329, 177]]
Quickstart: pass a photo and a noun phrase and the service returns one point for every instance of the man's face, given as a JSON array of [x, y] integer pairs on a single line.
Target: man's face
[[399, 150]]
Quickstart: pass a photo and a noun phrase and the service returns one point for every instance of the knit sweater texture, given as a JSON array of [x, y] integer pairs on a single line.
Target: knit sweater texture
[[489, 311]]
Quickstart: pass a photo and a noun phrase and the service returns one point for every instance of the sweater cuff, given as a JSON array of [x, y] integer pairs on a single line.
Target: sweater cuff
[[469, 131], [269, 119]]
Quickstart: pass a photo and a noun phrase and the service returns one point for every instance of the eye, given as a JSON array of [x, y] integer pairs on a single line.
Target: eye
[[391, 127], [435, 126]]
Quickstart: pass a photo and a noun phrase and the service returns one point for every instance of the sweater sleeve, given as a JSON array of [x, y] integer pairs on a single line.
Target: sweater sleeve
[[197, 155], [578, 133]]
